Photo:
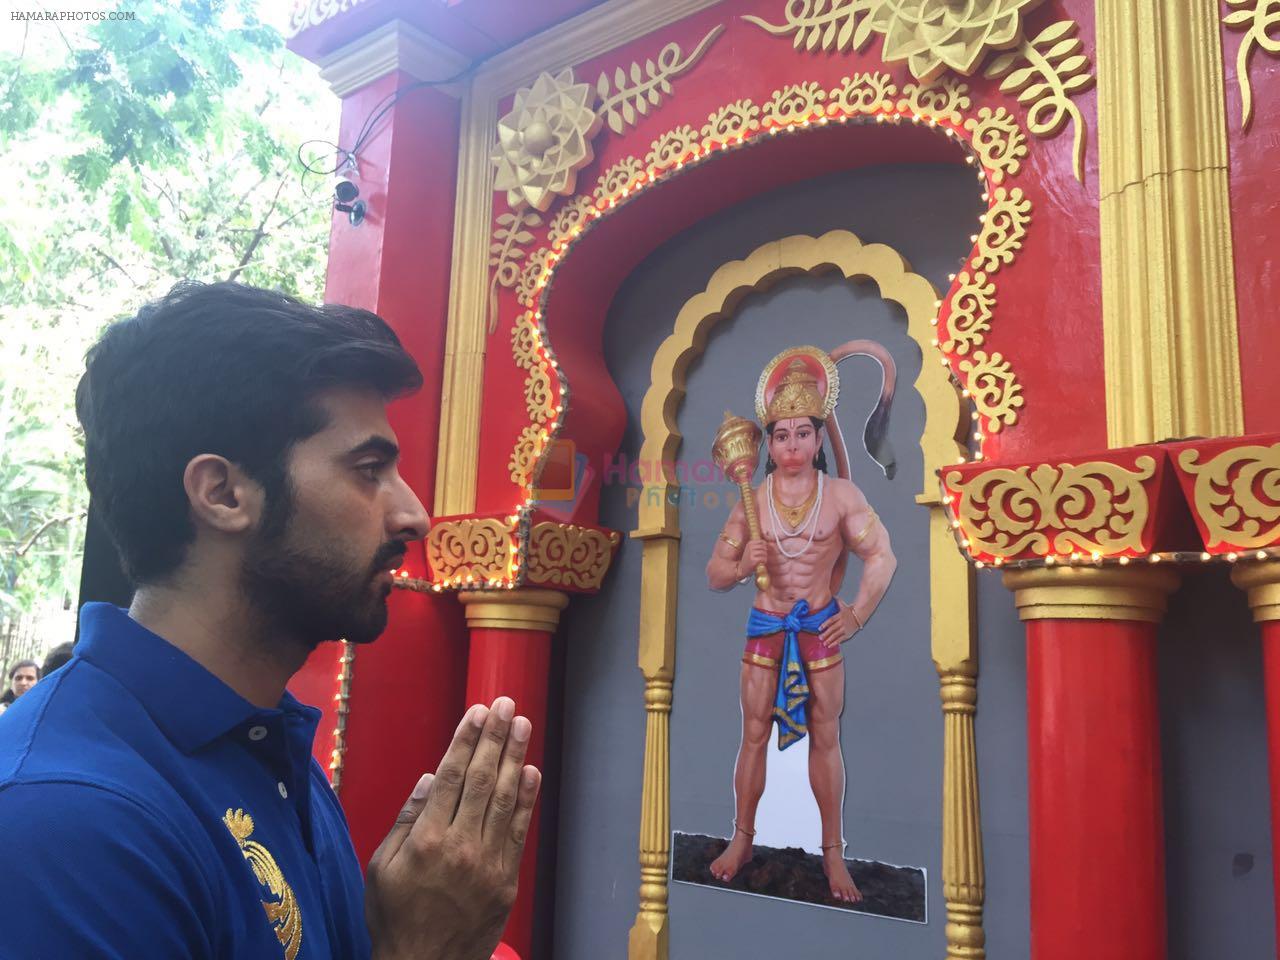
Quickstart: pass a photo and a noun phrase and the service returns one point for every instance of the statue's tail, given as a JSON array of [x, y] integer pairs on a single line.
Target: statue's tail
[[876, 433]]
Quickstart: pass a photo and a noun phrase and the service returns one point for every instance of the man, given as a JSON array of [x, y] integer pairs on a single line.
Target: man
[[793, 670], [236, 441]]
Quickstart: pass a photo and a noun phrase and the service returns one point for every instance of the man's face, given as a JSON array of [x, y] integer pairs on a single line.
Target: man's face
[[793, 444], [23, 680], [325, 572]]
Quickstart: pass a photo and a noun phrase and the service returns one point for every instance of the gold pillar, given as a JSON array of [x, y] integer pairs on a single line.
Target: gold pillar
[[1262, 583], [658, 599], [1136, 592], [525, 608], [1168, 289]]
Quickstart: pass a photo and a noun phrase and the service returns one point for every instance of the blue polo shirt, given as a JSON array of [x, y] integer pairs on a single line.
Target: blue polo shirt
[[148, 810]]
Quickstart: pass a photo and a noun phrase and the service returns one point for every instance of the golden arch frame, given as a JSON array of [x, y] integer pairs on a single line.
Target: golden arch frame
[[952, 620]]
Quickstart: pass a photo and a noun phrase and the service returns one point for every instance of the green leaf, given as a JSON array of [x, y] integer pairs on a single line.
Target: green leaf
[[121, 205]]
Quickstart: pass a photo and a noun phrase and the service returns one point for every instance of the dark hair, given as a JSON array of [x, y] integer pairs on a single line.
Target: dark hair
[[24, 663], [57, 657], [819, 460], [217, 368]]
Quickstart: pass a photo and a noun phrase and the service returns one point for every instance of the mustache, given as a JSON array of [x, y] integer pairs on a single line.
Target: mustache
[[389, 556]]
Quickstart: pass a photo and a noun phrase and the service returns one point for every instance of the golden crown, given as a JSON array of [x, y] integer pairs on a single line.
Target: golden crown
[[795, 390]]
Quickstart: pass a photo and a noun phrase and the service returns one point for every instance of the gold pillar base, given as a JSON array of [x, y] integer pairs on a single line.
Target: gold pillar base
[[1132, 592], [1262, 583], [525, 608]]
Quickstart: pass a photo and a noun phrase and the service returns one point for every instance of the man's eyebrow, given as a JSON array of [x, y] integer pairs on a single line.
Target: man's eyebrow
[[375, 444]]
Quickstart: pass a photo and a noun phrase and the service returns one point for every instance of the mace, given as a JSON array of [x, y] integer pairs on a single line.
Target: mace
[[736, 451]]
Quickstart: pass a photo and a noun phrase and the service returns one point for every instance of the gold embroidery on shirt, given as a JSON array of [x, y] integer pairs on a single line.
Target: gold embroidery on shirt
[[282, 909]]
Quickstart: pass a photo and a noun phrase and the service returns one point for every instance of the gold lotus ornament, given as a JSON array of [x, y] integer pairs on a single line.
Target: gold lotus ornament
[[545, 140], [736, 451], [935, 34]]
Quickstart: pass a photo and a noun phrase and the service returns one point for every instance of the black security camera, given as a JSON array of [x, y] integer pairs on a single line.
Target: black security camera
[[345, 193]]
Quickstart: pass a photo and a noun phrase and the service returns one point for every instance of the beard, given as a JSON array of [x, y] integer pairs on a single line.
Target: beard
[[314, 591]]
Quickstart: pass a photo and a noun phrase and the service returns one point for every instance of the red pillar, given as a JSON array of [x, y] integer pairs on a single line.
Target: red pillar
[[511, 656], [406, 692], [1262, 581], [1095, 804]]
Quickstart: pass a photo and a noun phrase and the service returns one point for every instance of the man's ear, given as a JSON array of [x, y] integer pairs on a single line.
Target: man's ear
[[221, 495]]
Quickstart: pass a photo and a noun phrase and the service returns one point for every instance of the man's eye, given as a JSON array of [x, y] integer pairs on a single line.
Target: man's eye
[[371, 470]]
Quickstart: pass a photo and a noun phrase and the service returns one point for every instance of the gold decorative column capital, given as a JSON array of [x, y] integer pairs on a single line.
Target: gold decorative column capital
[[1092, 593], [520, 609], [1262, 583]]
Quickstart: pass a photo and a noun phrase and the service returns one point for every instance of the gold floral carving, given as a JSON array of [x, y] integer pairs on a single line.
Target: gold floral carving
[[940, 101], [1003, 229], [524, 456], [1055, 70], [794, 103], [930, 35], [618, 179], [994, 388], [862, 93], [1097, 507], [969, 316], [565, 555], [470, 547], [731, 122], [1237, 495], [571, 218], [630, 95], [998, 140], [1262, 20], [545, 140], [505, 253], [533, 274], [670, 149]]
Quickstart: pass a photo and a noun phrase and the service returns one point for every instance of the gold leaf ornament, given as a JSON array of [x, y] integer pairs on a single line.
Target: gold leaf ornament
[[524, 456], [1096, 507], [505, 253], [569, 220], [545, 140], [568, 555], [1261, 18], [533, 274], [619, 178], [827, 25], [1055, 70], [670, 149], [627, 95], [478, 548]]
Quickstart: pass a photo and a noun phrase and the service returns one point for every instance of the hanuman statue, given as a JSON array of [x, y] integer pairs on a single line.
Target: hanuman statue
[[794, 533]]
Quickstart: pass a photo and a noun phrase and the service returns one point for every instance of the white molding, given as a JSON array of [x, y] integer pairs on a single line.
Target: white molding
[[393, 46]]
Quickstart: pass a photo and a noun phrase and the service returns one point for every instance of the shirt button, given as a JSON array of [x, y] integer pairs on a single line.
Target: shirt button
[[257, 733], [284, 791]]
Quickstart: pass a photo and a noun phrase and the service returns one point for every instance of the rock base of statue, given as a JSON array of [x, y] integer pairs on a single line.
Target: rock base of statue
[[790, 873]]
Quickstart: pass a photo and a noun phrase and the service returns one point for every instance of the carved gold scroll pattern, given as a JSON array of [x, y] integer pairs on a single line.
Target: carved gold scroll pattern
[[1237, 495], [470, 550], [566, 555], [1052, 509], [1261, 21]]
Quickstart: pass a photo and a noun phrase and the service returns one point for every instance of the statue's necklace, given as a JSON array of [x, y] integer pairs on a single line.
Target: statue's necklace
[[811, 523], [795, 516]]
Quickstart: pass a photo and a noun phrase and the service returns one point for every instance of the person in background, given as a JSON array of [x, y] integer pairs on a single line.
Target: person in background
[[56, 658], [23, 675]]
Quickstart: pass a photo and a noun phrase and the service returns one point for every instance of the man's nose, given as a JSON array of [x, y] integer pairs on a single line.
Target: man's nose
[[410, 520]]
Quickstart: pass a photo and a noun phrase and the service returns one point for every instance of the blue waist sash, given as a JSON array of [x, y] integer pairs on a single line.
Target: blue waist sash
[[793, 683]]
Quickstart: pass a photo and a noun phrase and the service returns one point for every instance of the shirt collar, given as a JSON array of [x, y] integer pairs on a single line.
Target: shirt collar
[[186, 701]]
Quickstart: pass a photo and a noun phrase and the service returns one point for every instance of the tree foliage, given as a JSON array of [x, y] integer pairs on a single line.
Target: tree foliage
[[138, 153]]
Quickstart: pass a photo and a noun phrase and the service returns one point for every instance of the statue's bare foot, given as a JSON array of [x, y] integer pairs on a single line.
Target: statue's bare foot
[[726, 866], [842, 886]]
